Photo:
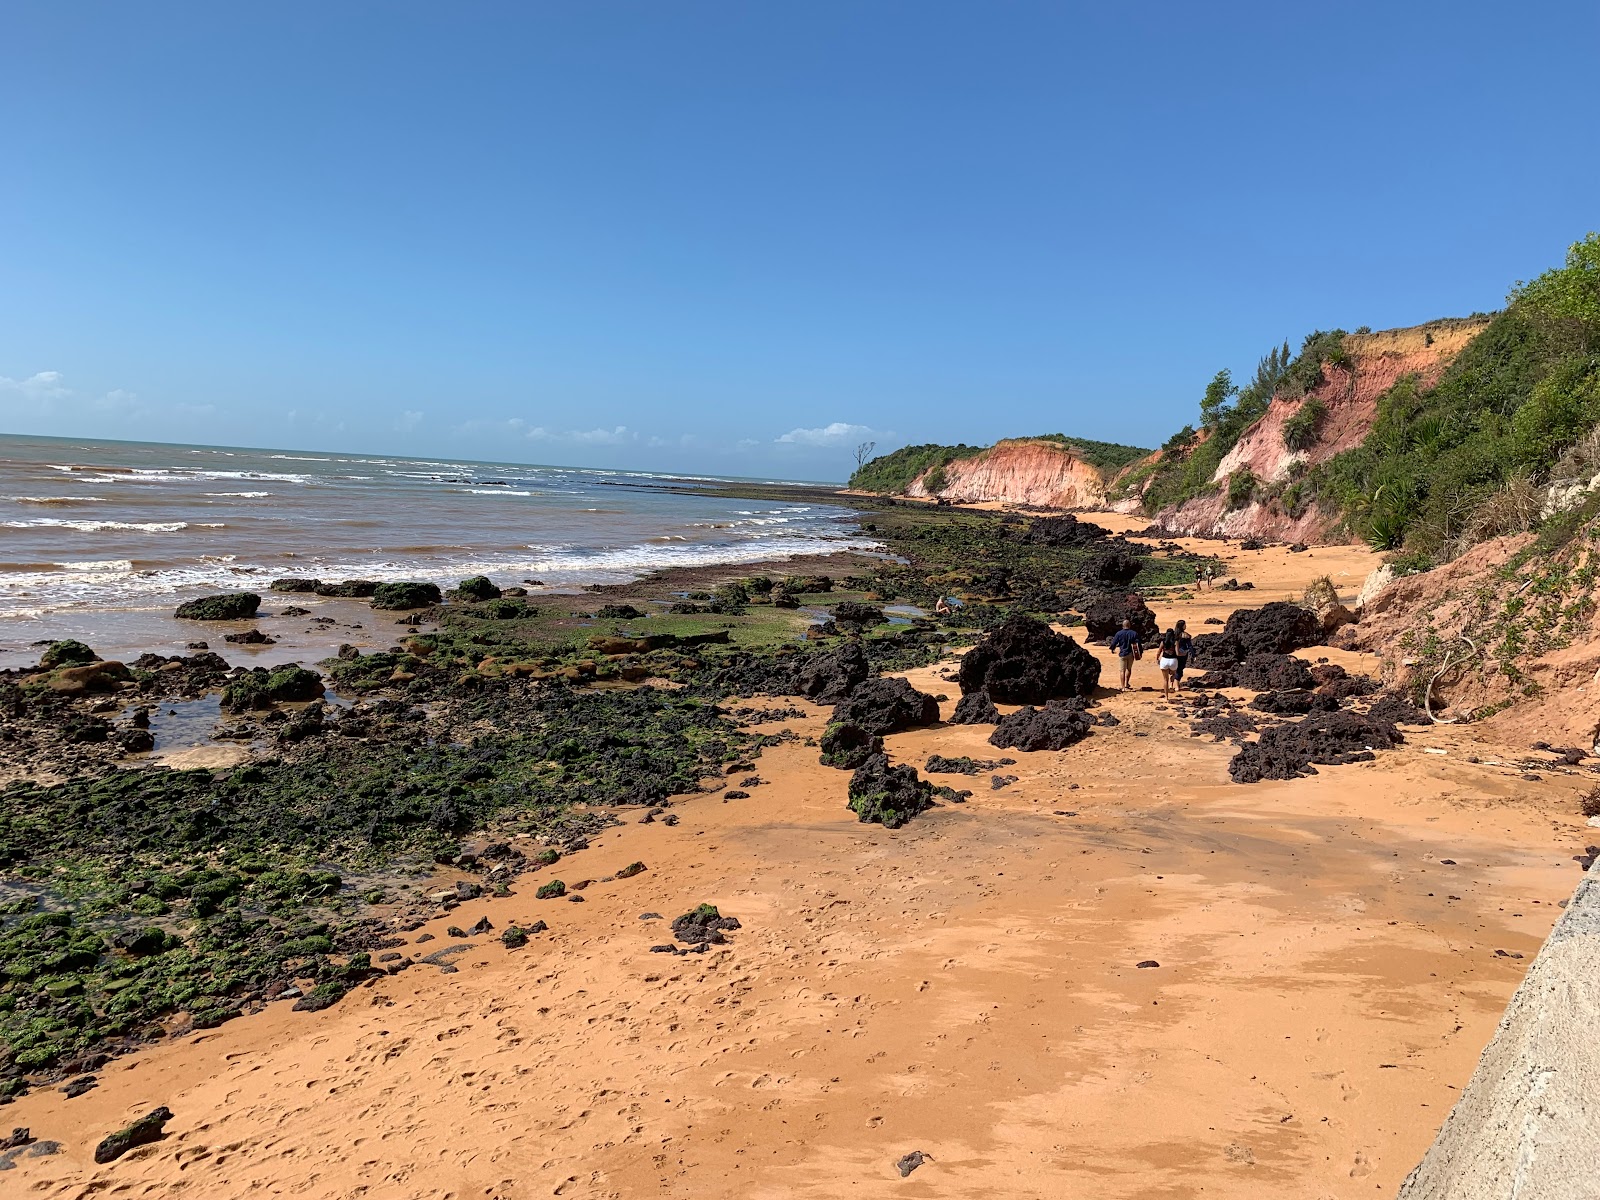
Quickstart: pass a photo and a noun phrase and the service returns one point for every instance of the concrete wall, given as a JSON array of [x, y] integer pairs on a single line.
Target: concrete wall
[[1528, 1125]]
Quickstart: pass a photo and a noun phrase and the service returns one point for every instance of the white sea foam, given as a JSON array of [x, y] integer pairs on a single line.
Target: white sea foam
[[495, 492], [101, 526], [59, 499], [241, 495]]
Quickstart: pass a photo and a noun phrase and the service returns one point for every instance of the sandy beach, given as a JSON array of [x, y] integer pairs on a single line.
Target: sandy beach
[[1332, 953]]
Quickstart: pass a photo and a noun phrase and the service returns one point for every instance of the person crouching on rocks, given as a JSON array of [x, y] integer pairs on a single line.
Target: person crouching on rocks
[[1125, 645]]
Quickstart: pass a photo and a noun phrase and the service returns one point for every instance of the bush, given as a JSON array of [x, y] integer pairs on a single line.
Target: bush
[[892, 474], [1300, 430], [935, 481], [1241, 487]]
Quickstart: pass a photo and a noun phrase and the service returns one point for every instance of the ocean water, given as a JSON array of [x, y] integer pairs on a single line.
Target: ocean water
[[88, 525]]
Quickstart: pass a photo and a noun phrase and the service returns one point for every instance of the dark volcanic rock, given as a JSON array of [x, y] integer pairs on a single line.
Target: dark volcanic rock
[[1293, 702], [703, 925], [227, 606], [1287, 751], [1115, 568], [1024, 661], [145, 1130], [1275, 628], [404, 595], [1212, 650], [889, 795], [1103, 616], [975, 708], [1261, 673], [1056, 726], [847, 746], [886, 705], [855, 613], [250, 637], [1397, 710], [619, 612], [1064, 530], [829, 678], [296, 585]]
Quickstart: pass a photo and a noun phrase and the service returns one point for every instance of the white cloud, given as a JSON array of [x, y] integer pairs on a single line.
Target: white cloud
[[836, 434], [41, 385], [408, 420], [589, 437]]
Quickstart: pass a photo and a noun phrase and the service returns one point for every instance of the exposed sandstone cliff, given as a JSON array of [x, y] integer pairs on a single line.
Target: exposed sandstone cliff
[[1347, 396], [1018, 471], [1508, 623]]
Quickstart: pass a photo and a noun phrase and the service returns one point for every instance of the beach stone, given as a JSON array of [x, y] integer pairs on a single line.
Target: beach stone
[[1103, 616], [145, 1130], [476, 587], [1024, 661], [1116, 568], [225, 606], [404, 595], [846, 745], [89, 678], [1057, 725], [350, 589], [1275, 628], [704, 924], [889, 795], [910, 1162], [1260, 673], [66, 653], [1287, 751], [830, 677], [856, 613], [975, 708], [886, 705]]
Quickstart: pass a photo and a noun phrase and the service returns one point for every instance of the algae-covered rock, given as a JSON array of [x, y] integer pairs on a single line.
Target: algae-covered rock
[[476, 587], [261, 688], [66, 653], [142, 1132], [350, 589], [291, 584], [404, 595], [225, 606], [847, 746], [888, 795]]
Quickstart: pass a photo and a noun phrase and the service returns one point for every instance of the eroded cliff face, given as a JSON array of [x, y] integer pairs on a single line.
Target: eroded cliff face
[[1019, 471], [1349, 396]]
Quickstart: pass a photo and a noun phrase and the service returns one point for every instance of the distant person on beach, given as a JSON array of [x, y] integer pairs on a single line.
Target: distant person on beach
[[1183, 645], [1211, 573], [1125, 645], [942, 608], [1199, 576]]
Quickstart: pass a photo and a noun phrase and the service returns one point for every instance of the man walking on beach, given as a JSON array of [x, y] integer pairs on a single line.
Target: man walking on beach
[[1125, 645]]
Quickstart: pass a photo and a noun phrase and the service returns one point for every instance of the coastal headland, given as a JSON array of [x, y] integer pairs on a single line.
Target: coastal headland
[[1104, 970]]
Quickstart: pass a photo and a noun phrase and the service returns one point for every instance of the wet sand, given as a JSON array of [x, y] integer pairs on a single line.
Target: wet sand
[[965, 986]]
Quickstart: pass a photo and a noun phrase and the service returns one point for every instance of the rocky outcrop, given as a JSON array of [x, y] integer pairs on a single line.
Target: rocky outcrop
[[1525, 1126], [226, 606], [1057, 725], [891, 796], [405, 595], [1024, 661], [887, 705], [1018, 471]]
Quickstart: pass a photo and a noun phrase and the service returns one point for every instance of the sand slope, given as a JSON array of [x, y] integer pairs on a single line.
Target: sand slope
[[965, 986]]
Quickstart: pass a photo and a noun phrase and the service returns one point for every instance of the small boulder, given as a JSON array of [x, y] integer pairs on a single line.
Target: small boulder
[[225, 606], [142, 1132], [847, 746], [404, 595], [1024, 661], [476, 587], [886, 705], [975, 708], [889, 795], [66, 653], [1057, 725]]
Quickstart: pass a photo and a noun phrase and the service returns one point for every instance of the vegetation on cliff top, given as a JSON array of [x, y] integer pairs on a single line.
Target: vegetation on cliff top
[[894, 473], [1442, 467]]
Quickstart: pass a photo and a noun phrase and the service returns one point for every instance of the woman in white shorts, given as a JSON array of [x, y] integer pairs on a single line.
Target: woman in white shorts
[[1168, 662]]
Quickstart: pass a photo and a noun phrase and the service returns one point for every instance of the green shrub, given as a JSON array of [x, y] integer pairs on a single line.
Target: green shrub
[[1241, 487], [935, 481], [1300, 430], [892, 474]]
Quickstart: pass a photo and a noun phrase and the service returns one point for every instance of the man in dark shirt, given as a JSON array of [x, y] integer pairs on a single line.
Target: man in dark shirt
[[1125, 645]]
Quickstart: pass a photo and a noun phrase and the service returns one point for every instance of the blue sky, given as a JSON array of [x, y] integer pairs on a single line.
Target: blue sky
[[740, 238]]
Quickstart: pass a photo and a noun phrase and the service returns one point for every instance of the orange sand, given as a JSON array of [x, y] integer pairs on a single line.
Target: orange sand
[[965, 986]]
